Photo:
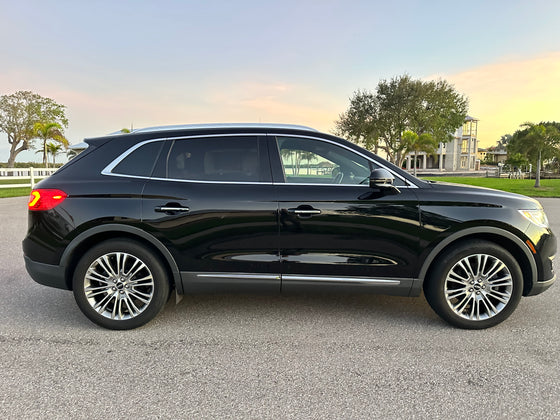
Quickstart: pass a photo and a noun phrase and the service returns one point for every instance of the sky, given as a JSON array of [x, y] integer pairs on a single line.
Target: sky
[[117, 64]]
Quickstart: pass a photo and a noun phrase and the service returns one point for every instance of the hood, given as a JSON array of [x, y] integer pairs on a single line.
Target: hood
[[484, 196]]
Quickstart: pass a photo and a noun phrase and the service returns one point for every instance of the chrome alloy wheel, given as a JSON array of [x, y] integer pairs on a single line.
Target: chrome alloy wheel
[[118, 285], [478, 287]]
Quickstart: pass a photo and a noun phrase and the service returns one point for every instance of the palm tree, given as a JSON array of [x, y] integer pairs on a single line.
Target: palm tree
[[53, 150], [49, 131], [287, 154], [504, 141], [308, 156], [419, 143]]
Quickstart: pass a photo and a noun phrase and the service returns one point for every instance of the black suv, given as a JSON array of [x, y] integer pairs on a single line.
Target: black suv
[[275, 208]]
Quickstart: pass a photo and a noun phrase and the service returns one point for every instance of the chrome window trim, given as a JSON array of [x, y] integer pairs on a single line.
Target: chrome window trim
[[212, 182], [319, 185], [108, 170]]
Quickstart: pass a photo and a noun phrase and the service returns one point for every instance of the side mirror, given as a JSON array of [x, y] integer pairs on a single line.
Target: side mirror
[[382, 179]]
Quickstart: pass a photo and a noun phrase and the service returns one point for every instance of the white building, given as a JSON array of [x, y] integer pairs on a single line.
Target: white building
[[459, 154]]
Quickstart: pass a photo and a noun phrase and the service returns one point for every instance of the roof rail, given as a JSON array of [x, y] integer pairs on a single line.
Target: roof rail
[[223, 125]]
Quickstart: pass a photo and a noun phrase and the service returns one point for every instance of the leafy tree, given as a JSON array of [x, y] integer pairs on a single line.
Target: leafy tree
[[49, 131], [516, 159], [18, 114], [379, 119], [537, 142], [357, 123], [489, 158], [418, 143], [553, 165]]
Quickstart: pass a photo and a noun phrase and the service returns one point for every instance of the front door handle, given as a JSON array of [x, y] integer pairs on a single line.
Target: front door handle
[[172, 208], [304, 212]]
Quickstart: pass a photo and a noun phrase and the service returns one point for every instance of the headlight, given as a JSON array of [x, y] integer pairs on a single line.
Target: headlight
[[538, 217]]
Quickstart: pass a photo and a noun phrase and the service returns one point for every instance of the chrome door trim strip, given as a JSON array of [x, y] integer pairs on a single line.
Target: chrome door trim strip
[[347, 280], [292, 277], [239, 276]]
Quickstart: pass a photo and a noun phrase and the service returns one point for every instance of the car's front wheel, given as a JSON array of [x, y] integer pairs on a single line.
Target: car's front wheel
[[475, 285], [120, 284]]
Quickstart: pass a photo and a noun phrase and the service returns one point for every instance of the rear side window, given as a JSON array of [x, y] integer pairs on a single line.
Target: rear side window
[[225, 159], [141, 161]]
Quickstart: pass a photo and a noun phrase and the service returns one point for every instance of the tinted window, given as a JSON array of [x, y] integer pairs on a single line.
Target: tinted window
[[214, 159], [141, 161], [320, 162]]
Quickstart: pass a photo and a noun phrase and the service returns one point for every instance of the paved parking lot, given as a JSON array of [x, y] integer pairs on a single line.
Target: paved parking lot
[[269, 356]]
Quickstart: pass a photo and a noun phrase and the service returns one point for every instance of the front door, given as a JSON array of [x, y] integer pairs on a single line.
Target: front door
[[337, 232]]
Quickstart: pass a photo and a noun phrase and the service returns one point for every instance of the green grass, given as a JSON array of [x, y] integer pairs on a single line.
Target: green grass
[[14, 192], [18, 181], [549, 187]]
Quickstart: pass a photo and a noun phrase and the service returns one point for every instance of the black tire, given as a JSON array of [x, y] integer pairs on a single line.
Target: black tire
[[120, 284], [474, 285]]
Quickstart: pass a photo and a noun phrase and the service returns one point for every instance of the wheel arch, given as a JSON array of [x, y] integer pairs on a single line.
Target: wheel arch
[[98, 234], [512, 243]]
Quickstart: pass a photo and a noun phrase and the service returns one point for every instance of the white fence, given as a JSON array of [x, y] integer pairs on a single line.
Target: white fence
[[25, 174]]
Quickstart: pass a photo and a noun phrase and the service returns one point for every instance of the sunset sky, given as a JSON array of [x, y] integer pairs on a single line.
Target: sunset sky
[[143, 63]]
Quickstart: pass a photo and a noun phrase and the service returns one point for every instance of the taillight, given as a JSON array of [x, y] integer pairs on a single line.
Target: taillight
[[45, 199]]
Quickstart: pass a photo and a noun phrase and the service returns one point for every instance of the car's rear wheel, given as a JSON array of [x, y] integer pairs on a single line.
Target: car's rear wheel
[[475, 285], [119, 284]]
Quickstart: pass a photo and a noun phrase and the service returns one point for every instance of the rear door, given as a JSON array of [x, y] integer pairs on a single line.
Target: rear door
[[210, 201]]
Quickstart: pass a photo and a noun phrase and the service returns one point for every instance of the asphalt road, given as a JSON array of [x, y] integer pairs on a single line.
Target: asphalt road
[[269, 356]]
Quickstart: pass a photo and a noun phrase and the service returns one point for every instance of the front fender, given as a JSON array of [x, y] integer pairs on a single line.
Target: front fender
[[478, 232]]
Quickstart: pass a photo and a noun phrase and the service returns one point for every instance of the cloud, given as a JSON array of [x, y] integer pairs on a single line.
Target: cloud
[[508, 93]]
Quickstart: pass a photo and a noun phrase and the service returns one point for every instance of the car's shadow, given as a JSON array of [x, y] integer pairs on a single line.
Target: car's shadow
[[36, 307], [298, 310]]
